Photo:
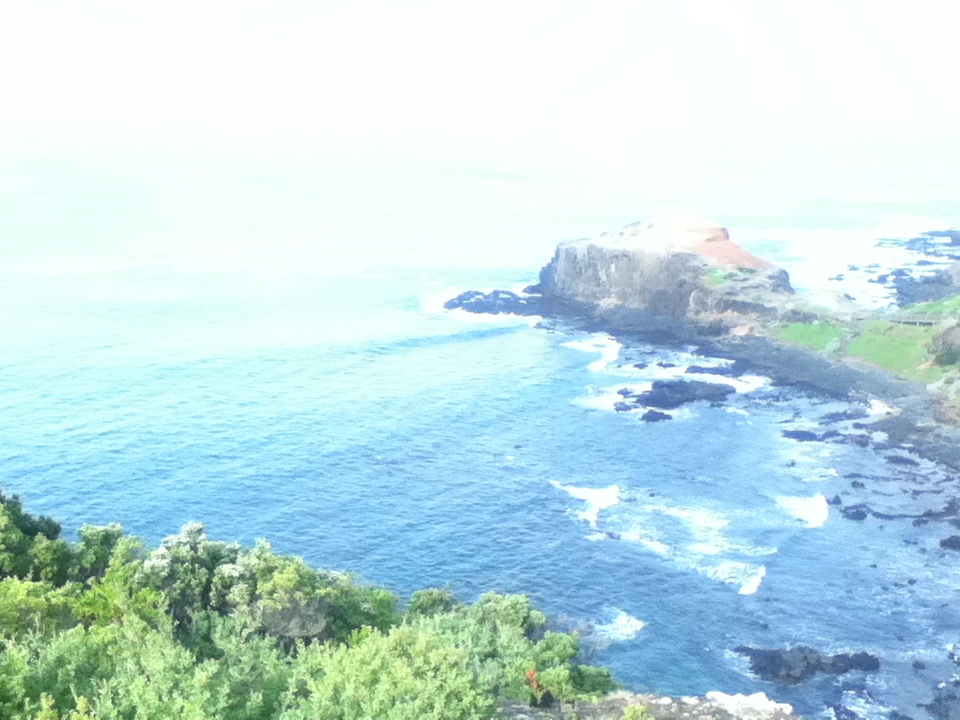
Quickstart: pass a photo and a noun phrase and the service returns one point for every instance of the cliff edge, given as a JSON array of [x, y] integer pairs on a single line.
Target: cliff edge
[[688, 271]]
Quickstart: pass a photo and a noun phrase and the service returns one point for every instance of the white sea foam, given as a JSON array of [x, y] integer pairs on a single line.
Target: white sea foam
[[432, 304], [814, 511], [623, 627], [812, 258], [606, 346], [606, 398], [732, 572], [597, 499], [705, 549], [699, 519], [756, 705], [646, 540], [751, 586], [878, 409], [708, 544], [518, 289], [747, 383], [742, 384], [704, 529]]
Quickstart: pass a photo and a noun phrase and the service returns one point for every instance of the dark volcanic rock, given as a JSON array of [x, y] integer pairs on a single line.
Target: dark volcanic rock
[[945, 706], [853, 414], [856, 512], [794, 665], [802, 316], [901, 460], [725, 371], [495, 303], [671, 394], [925, 288], [951, 543], [655, 416], [801, 435]]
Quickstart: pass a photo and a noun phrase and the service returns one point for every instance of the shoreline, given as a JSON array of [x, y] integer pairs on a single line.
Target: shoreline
[[907, 425], [920, 422]]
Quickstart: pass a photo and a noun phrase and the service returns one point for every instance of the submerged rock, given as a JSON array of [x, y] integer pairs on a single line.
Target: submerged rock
[[794, 665], [801, 435], [651, 416], [951, 543], [856, 512]]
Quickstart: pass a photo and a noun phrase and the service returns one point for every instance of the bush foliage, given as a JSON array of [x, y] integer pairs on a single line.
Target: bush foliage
[[107, 629]]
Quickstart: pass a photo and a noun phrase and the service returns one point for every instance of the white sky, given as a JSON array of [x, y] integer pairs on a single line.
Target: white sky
[[567, 79]]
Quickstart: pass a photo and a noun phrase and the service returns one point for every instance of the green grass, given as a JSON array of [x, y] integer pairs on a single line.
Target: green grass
[[948, 307], [896, 347], [717, 276], [817, 335]]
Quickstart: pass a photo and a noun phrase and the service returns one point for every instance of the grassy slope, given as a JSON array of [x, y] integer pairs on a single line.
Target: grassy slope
[[816, 336], [946, 308], [899, 348]]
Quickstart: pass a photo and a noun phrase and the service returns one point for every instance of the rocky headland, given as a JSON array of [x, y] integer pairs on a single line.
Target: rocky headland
[[689, 285], [692, 273], [683, 279]]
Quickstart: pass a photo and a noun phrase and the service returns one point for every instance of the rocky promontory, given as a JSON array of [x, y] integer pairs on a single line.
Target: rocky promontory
[[682, 271], [689, 283], [654, 276]]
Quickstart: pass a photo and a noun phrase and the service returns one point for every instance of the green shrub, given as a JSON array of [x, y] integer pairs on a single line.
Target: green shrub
[[717, 276], [204, 629], [406, 674], [637, 712], [432, 601]]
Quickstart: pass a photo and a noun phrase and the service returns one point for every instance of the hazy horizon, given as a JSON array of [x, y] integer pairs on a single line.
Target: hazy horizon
[[641, 94]]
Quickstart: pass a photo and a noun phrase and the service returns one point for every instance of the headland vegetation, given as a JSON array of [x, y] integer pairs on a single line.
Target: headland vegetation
[[108, 628]]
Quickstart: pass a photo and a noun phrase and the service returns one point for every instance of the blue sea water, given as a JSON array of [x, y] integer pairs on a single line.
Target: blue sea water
[[268, 353]]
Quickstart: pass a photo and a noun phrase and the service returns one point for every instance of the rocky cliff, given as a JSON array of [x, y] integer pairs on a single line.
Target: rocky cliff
[[688, 271]]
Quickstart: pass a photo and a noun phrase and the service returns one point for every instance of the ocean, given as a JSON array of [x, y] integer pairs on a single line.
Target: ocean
[[264, 348]]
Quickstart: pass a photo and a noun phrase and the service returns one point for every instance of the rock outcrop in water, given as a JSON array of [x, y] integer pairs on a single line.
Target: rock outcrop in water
[[671, 394], [679, 272], [794, 665]]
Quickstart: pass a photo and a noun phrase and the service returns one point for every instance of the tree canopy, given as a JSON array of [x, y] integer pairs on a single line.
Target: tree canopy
[[105, 628]]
